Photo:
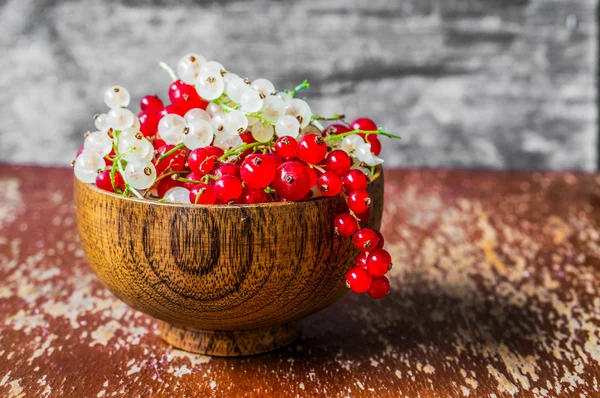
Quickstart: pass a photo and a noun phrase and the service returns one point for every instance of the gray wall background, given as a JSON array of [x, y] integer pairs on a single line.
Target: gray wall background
[[474, 83]]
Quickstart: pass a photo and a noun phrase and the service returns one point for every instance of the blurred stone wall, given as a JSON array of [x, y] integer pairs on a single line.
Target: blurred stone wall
[[472, 83]]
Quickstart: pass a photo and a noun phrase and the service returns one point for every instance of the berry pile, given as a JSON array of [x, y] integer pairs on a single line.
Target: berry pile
[[228, 140]]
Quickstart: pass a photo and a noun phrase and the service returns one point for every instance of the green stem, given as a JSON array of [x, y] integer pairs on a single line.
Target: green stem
[[334, 117], [170, 71], [241, 149], [303, 85], [359, 131], [186, 180], [169, 153]]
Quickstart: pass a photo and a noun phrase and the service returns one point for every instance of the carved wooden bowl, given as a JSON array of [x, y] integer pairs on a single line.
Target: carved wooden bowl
[[223, 280]]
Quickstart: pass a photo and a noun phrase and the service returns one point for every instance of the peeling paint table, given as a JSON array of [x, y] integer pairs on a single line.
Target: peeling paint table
[[496, 292]]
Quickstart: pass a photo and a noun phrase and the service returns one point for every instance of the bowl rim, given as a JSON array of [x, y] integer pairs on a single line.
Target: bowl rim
[[301, 203]]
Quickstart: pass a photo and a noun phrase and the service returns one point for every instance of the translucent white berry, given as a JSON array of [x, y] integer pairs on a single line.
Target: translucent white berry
[[273, 108], [364, 154], [235, 122], [198, 133], [250, 100], [120, 118], [196, 113], [213, 66], [287, 125], [213, 109], [262, 132], [171, 128], [101, 122], [284, 96], [117, 97], [218, 123], [229, 76], [140, 173], [98, 142], [136, 147], [351, 143], [300, 110], [210, 84], [188, 67], [87, 166], [136, 123], [128, 133], [264, 87], [226, 141], [177, 195], [235, 88]]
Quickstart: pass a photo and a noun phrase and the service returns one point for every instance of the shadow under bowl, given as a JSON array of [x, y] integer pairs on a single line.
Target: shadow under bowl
[[224, 280]]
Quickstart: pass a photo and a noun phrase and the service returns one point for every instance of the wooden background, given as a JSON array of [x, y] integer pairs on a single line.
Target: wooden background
[[470, 83]]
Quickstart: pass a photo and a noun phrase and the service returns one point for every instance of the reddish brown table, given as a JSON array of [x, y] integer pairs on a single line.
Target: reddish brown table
[[495, 291]]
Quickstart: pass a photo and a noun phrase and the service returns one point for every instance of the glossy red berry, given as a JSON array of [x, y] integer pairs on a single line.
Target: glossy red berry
[[363, 124], [339, 162], [252, 196], [227, 168], [276, 158], [312, 149], [380, 287], [355, 180], [151, 103], [292, 181], [166, 183], [361, 260], [247, 137], [214, 151], [175, 161], [192, 177], [202, 160], [148, 122], [258, 171], [375, 144], [185, 97], [228, 188], [329, 183], [313, 176], [171, 109], [379, 262], [364, 217], [359, 201], [345, 225], [103, 181], [365, 239], [158, 141], [203, 194], [381, 240], [286, 147], [358, 280], [335, 129]]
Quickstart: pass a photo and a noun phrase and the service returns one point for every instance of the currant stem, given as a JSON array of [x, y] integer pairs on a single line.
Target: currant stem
[[303, 85], [314, 166], [170, 71], [186, 180], [256, 115], [241, 148], [334, 117], [207, 177], [379, 131], [172, 151]]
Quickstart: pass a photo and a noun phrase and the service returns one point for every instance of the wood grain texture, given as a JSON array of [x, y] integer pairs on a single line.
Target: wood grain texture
[[224, 268], [468, 83]]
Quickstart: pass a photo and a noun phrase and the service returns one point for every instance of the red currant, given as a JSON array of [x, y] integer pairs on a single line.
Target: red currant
[[361, 260], [381, 240], [380, 287], [171, 109], [359, 201], [111, 155], [185, 97], [203, 194], [276, 158], [201, 160], [151, 103], [166, 183], [345, 224], [158, 142], [358, 280], [330, 183], [215, 151], [247, 137], [379, 262], [228, 188], [355, 180], [227, 168], [103, 181], [365, 239], [364, 217], [192, 177], [335, 129], [339, 162], [313, 176], [175, 161], [148, 122], [251, 196], [258, 171], [312, 148], [375, 144], [363, 124], [292, 181], [286, 147]]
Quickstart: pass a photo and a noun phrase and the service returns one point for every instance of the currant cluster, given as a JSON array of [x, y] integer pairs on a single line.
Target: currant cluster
[[224, 139]]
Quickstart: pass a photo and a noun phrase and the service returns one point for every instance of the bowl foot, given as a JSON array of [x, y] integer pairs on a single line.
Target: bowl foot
[[230, 343]]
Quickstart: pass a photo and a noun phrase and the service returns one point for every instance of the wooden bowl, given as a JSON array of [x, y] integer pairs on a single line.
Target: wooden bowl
[[223, 280]]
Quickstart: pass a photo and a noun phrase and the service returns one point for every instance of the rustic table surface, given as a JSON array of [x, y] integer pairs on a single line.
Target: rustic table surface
[[496, 292]]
